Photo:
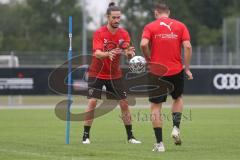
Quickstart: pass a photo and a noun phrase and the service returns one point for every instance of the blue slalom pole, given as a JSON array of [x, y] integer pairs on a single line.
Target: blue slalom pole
[[69, 82]]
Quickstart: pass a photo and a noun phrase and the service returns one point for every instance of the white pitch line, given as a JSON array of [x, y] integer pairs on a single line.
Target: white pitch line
[[137, 106]]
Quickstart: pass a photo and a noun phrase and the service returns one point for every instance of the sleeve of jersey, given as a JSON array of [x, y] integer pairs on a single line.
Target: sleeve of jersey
[[146, 33], [127, 37], [185, 35], [97, 42]]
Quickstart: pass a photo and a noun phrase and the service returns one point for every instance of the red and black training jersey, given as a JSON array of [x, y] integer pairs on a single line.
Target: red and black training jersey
[[166, 36], [105, 68]]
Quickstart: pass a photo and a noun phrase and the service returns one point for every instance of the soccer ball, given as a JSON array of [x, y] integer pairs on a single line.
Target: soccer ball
[[137, 64]]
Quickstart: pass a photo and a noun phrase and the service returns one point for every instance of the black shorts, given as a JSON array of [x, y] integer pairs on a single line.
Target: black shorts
[[115, 89], [173, 85]]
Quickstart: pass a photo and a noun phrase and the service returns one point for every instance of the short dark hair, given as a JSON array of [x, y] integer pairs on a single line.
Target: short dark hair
[[112, 7], [162, 7]]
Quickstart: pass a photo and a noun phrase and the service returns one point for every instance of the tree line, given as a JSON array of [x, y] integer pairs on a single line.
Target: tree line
[[42, 25]]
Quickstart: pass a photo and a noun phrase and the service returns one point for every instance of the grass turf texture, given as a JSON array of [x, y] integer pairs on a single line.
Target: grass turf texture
[[38, 135]]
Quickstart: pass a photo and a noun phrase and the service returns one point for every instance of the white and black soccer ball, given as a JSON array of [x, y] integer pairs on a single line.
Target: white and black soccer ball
[[137, 64]]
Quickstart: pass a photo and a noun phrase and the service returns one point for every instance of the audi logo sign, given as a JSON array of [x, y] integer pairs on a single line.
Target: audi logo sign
[[227, 81]]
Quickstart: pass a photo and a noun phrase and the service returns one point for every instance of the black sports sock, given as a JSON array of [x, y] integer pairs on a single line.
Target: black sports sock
[[86, 132], [158, 134], [129, 131], [176, 116]]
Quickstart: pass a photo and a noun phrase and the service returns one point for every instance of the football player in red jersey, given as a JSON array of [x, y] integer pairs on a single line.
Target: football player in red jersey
[[109, 43], [162, 41]]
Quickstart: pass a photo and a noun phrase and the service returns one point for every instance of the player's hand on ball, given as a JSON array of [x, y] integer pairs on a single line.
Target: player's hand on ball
[[189, 74], [130, 52]]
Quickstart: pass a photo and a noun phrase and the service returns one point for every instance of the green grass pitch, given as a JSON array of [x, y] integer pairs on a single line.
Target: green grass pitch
[[36, 134]]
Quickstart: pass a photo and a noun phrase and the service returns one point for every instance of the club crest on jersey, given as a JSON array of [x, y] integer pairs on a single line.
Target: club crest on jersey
[[120, 41], [105, 41]]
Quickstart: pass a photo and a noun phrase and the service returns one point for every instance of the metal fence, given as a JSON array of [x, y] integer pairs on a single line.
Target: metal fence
[[202, 56], [214, 56]]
